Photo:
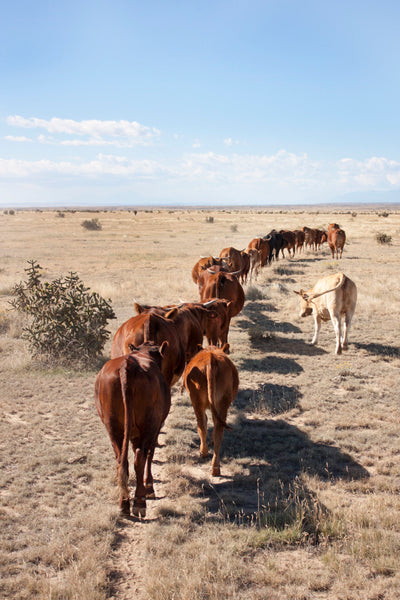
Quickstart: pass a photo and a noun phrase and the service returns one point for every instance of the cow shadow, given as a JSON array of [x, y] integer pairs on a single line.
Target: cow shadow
[[384, 350], [270, 364], [284, 345], [274, 398], [273, 456]]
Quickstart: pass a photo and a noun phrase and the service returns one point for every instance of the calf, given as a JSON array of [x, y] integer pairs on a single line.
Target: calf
[[133, 400], [336, 242], [332, 297], [212, 382]]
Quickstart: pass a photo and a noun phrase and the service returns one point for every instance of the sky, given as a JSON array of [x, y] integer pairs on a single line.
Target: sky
[[198, 102]]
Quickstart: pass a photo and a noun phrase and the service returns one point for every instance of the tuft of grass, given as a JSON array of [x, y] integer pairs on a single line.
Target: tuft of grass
[[254, 293], [92, 224], [383, 238]]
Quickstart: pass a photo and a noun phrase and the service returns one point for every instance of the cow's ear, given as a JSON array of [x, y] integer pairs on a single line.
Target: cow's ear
[[138, 307], [225, 348], [164, 348], [132, 348], [171, 314], [296, 292]]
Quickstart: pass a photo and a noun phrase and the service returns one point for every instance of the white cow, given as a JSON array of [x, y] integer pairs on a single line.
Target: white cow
[[332, 297]]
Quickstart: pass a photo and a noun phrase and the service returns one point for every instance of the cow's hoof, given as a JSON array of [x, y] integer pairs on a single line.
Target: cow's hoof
[[216, 472], [139, 508], [125, 507], [150, 495]]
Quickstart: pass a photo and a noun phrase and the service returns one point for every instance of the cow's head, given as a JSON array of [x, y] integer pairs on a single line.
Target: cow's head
[[306, 308]]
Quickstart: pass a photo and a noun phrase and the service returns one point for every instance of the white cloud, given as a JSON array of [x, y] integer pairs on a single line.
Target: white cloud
[[93, 132], [230, 142], [17, 138]]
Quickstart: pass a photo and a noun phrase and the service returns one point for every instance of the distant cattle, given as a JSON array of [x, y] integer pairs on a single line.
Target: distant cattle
[[336, 242], [309, 237], [332, 298], [263, 247], [299, 237], [275, 241], [133, 400], [150, 327], [212, 382], [289, 242], [320, 238]]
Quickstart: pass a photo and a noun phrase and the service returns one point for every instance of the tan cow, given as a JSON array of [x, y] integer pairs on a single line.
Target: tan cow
[[212, 382], [332, 298]]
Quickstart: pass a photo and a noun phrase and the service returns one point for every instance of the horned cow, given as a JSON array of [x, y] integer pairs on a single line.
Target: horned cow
[[332, 298]]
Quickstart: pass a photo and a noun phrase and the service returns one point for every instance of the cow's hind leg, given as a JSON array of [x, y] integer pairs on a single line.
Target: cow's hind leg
[[317, 327], [345, 334], [201, 419], [117, 437], [337, 327], [139, 501], [218, 434], [148, 476]]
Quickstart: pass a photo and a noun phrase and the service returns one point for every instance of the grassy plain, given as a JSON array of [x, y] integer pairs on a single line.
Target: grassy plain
[[308, 505]]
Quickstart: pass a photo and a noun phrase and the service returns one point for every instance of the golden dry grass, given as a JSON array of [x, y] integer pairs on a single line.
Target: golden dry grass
[[308, 505]]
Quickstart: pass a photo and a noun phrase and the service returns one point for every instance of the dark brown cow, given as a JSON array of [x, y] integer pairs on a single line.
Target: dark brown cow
[[309, 237], [262, 246], [212, 382], [246, 260], [336, 242], [321, 237], [150, 327], [222, 285], [289, 242], [133, 400], [299, 237]]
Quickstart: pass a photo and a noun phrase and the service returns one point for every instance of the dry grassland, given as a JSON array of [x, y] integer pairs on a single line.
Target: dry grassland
[[308, 505]]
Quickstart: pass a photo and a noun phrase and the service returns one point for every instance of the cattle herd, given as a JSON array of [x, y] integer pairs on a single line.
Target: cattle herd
[[153, 349]]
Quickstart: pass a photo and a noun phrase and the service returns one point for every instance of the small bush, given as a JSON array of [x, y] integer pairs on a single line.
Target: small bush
[[209, 219], [91, 224], [383, 238], [234, 228], [66, 321], [383, 214], [253, 293], [60, 214]]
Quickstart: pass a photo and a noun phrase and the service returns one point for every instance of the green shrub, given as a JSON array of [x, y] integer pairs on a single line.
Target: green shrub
[[91, 224], [66, 320], [383, 238]]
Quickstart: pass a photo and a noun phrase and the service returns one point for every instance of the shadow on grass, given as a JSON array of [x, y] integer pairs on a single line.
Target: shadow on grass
[[270, 364], [270, 397], [381, 349], [282, 345], [273, 455]]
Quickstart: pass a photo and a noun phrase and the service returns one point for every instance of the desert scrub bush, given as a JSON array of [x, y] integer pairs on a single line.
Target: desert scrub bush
[[209, 219], [66, 320], [254, 293], [383, 238], [91, 224]]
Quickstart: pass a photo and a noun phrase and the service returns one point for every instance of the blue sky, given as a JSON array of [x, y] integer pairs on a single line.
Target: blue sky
[[198, 102]]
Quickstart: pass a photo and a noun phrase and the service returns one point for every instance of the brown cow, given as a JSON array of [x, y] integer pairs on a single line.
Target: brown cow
[[289, 242], [133, 400], [212, 382], [336, 242], [150, 327], [321, 237], [299, 236], [333, 226], [212, 317], [332, 297], [221, 284], [234, 261], [262, 246], [309, 237], [202, 264], [246, 260]]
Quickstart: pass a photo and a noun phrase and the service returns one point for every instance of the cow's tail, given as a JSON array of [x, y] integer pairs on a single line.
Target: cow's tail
[[127, 399], [337, 287], [210, 374]]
